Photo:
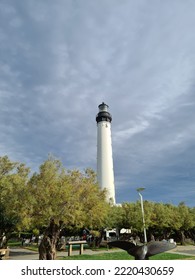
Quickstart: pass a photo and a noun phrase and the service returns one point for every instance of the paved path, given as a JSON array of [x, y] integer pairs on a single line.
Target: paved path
[[19, 253], [184, 250], [22, 254]]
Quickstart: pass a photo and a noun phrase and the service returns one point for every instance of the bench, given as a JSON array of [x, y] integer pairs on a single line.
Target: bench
[[70, 243], [4, 253]]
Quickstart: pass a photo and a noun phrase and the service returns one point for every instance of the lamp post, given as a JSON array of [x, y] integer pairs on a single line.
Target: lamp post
[[139, 190]]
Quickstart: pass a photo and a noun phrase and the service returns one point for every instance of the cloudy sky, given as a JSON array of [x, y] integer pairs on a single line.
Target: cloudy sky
[[60, 59]]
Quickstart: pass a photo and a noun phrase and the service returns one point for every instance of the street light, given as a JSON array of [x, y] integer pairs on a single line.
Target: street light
[[139, 190]]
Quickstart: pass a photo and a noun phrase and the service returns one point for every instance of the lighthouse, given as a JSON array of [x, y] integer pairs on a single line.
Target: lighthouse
[[105, 172]]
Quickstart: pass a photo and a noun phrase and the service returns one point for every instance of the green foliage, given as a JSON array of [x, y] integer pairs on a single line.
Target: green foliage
[[161, 220], [131, 216], [35, 232], [13, 196], [70, 196], [67, 195], [114, 217], [185, 217], [28, 202]]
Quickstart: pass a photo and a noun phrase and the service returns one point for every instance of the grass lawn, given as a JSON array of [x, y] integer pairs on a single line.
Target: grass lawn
[[125, 256]]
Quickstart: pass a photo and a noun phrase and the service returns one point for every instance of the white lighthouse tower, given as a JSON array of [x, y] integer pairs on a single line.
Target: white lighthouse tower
[[105, 172]]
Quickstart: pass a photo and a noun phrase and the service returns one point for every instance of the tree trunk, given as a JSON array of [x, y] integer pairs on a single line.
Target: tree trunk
[[47, 247], [182, 238]]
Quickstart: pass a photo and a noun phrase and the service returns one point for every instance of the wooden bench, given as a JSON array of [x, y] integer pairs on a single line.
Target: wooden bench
[[70, 243], [4, 253]]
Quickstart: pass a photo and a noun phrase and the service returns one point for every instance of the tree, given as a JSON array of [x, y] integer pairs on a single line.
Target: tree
[[186, 221], [14, 205], [68, 195]]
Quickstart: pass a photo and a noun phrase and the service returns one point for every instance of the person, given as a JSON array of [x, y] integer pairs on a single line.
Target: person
[[84, 234]]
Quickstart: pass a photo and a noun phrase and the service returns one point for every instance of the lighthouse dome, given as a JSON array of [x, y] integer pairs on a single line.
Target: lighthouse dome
[[103, 114]]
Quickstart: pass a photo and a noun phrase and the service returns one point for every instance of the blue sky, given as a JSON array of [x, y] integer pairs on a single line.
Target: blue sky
[[60, 59]]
